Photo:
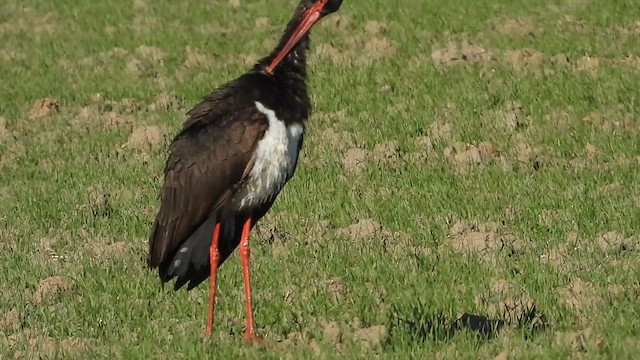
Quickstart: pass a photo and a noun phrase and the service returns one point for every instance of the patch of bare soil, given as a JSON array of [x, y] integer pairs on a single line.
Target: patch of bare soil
[[39, 346], [31, 23], [502, 356], [365, 229], [513, 116], [44, 108], [463, 53], [355, 160], [4, 131], [374, 27], [11, 320], [531, 157], [386, 153], [234, 3], [522, 26], [615, 241], [150, 53], [613, 121], [11, 55], [166, 102], [74, 346], [425, 148], [337, 289], [507, 302], [379, 47], [336, 22], [484, 241], [441, 130], [525, 59], [109, 114], [46, 255], [101, 249], [196, 59], [580, 341], [146, 137], [51, 288], [580, 295], [341, 140], [349, 52], [371, 336], [589, 64], [466, 157]]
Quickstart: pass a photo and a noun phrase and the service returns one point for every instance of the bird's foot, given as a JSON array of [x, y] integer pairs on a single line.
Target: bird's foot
[[251, 337]]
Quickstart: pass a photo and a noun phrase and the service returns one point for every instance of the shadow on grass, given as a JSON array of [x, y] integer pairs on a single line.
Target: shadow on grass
[[418, 323]]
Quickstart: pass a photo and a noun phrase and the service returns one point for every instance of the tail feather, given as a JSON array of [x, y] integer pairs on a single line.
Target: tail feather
[[190, 262]]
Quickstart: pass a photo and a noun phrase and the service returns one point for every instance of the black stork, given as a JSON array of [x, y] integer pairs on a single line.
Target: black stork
[[234, 154]]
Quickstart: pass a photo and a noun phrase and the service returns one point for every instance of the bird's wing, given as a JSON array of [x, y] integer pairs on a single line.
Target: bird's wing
[[209, 160]]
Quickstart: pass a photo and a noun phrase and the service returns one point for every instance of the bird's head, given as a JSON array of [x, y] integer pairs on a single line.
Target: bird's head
[[307, 14]]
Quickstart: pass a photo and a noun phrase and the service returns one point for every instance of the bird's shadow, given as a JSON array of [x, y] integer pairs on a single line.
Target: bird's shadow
[[418, 324]]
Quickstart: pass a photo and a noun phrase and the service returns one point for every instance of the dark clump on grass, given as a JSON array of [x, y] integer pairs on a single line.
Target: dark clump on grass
[[417, 322]]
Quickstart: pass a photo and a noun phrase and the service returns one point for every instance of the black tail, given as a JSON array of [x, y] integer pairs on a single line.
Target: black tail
[[190, 262]]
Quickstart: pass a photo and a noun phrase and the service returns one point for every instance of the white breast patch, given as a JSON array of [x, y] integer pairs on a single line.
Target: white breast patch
[[275, 160]]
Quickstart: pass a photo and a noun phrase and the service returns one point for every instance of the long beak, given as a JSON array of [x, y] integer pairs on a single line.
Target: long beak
[[310, 18]]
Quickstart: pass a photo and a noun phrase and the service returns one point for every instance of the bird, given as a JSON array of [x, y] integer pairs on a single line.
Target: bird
[[235, 152]]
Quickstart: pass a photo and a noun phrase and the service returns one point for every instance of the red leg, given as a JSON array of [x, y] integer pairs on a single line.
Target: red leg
[[245, 253], [214, 259]]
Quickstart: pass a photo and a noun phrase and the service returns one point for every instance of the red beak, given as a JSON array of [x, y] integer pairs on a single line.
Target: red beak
[[310, 18]]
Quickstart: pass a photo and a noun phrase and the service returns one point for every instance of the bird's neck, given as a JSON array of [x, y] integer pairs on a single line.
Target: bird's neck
[[294, 64]]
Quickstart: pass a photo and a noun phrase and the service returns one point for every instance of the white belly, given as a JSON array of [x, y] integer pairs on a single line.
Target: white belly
[[275, 161]]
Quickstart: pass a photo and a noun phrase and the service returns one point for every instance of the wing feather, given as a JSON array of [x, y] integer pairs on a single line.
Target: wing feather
[[209, 160]]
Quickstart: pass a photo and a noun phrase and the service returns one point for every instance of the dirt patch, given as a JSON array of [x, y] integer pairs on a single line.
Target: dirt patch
[[339, 140], [196, 59], [234, 3], [336, 22], [371, 336], [10, 55], [441, 130], [463, 53], [11, 320], [522, 26], [466, 156], [150, 53], [138, 69], [101, 250], [580, 295], [146, 137], [484, 241], [355, 160], [613, 121], [337, 289], [580, 341], [507, 302], [615, 241], [365, 229], [379, 47], [525, 59], [51, 288], [376, 48], [374, 27], [75, 345], [28, 22], [39, 346], [386, 153], [513, 116], [4, 131], [166, 102], [589, 64], [332, 333], [44, 108]]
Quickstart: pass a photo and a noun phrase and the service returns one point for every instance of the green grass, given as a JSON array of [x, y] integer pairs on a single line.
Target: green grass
[[417, 275]]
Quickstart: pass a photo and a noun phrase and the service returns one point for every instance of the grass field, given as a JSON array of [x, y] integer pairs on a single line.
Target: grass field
[[476, 157]]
